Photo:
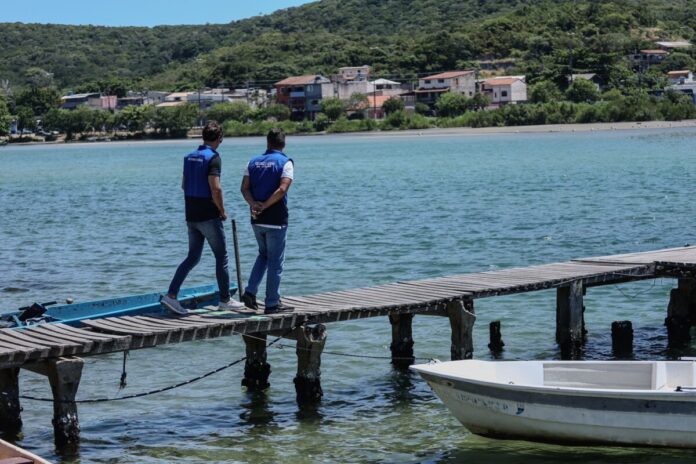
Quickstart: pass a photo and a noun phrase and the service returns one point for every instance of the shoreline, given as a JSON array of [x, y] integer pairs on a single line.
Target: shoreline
[[431, 132]]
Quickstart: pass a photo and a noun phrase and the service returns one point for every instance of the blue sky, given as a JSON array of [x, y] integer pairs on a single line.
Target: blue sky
[[139, 12]]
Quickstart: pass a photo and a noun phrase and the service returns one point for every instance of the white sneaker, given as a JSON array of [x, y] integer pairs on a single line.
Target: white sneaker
[[231, 305], [173, 305]]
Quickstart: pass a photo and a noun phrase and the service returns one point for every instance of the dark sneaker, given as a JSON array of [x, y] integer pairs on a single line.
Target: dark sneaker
[[249, 301], [279, 308]]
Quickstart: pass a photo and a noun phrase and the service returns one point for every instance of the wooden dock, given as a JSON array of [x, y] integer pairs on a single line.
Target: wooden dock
[[55, 350]]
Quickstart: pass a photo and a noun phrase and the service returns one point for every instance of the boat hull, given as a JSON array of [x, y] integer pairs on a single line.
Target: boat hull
[[8, 451], [505, 411]]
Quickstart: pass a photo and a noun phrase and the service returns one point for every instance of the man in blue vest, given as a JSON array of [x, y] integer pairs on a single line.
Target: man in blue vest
[[205, 216], [265, 187]]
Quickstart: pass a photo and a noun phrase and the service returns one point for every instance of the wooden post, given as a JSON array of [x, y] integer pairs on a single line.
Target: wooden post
[[256, 369], [402, 340], [462, 318], [10, 409], [681, 313], [64, 376], [622, 338], [496, 345], [569, 319], [310, 344]]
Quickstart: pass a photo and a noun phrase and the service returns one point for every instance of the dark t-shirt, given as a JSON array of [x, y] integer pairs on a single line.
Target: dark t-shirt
[[203, 209]]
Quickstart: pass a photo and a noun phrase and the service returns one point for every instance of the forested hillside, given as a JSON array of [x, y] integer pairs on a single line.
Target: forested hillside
[[399, 38]]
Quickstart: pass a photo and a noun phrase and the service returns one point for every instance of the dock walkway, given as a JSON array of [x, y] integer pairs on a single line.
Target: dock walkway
[[43, 347]]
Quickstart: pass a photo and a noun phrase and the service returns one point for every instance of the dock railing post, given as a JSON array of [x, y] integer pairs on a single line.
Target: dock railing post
[[462, 319], [402, 339], [10, 409], [256, 369], [569, 319], [310, 344]]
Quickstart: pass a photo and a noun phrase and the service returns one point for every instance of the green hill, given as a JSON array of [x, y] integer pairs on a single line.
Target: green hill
[[399, 38]]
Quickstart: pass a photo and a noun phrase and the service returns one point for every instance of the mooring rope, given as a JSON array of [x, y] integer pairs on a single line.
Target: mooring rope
[[274, 343]]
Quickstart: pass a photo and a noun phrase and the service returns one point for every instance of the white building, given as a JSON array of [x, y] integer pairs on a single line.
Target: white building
[[386, 87], [431, 87], [353, 73], [505, 89], [680, 77]]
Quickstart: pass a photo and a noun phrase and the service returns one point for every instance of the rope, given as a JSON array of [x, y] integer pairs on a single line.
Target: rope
[[147, 393]]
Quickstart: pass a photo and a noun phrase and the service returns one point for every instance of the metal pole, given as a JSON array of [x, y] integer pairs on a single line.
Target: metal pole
[[236, 258]]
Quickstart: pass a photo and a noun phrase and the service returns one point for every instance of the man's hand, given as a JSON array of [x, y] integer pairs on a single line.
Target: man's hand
[[223, 215]]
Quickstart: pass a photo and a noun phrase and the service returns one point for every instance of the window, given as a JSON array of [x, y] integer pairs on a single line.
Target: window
[[503, 93], [427, 81], [440, 81], [471, 93]]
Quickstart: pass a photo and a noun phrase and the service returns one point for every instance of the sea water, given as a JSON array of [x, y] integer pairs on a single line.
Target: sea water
[[90, 221]]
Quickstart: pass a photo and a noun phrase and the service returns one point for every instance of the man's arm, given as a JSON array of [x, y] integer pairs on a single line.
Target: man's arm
[[278, 194], [183, 183], [216, 189]]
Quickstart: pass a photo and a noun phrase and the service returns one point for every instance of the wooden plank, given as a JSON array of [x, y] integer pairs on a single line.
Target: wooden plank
[[53, 340], [115, 328]]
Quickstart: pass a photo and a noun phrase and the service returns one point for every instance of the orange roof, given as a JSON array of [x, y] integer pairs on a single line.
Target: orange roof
[[654, 52], [678, 73], [298, 80], [448, 75], [500, 81], [378, 101]]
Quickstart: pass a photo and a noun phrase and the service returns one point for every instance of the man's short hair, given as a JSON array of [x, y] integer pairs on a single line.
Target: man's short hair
[[212, 131], [276, 138]]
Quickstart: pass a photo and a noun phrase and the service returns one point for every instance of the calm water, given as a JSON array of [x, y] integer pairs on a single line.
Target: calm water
[[92, 221]]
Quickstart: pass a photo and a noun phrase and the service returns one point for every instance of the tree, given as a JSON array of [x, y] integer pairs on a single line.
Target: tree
[[136, 118], [5, 117], [392, 105], [544, 92], [422, 108], [38, 78], [235, 111], [25, 118], [175, 121], [277, 112], [479, 101], [582, 91], [451, 104], [38, 99], [332, 108]]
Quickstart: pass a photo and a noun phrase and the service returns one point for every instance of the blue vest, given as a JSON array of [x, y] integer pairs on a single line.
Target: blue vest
[[196, 172], [264, 178]]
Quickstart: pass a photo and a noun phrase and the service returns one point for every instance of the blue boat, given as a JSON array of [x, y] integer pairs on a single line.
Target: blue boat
[[72, 314]]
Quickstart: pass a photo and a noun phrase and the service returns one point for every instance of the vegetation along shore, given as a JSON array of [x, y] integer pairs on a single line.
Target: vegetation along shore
[[353, 66]]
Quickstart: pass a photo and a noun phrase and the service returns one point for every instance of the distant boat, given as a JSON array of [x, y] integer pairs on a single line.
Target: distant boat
[[11, 454], [72, 314], [649, 403]]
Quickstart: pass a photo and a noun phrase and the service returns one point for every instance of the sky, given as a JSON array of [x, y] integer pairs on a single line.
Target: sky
[[139, 12]]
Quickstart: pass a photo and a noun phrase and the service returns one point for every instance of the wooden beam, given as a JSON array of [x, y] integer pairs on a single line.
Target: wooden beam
[[402, 339], [256, 369], [569, 319], [64, 376], [310, 344], [10, 409], [681, 313], [462, 318]]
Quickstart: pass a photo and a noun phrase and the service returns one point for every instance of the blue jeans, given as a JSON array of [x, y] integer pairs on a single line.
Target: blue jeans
[[198, 232], [271, 256]]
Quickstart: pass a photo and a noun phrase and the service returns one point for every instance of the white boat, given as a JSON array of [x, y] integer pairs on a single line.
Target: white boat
[[12, 454], [648, 403]]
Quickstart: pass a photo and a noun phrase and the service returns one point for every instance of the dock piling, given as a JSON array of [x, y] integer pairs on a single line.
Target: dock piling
[[10, 409], [496, 338], [256, 369], [569, 319], [622, 338], [462, 318], [310, 344], [402, 339], [681, 313]]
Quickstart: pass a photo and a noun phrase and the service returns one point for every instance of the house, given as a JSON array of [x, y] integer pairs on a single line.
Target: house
[[505, 90], [677, 45], [386, 87], [592, 77], [175, 99], [431, 87], [680, 77], [302, 94], [645, 58], [353, 73], [93, 100], [375, 108]]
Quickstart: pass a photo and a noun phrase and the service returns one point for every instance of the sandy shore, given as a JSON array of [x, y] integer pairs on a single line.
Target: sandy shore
[[435, 132]]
